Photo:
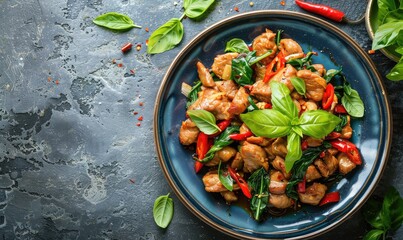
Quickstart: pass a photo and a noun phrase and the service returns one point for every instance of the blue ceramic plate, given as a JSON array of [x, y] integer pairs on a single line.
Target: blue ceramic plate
[[372, 134]]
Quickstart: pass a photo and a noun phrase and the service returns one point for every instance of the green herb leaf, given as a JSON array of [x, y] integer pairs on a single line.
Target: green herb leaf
[[163, 210], [165, 37], [384, 6], [396, 73], [241, 72], [259, 182], [299, 85], [342, 123], [331, 73], [353, 103], [372, 213], [294, 151], [318, 123], [220, 142], [115, 21], [392, 208], [195, 8], [300, 63], [236, 45], [281, 100], [225, 178], [267, 123], [193, 94], [388, 34], [204, 120], [374, 234]]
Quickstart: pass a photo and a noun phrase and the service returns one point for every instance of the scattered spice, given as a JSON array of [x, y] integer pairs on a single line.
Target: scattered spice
[[282, 3], [135, 113], [138, 47], [127, 47], [132, 180], [251, 4], [138, 124], [147, 29], [140, 118], [49, 79], [132, 71], [141, 104], [120, 64], [113, 61], [57, 82], [147, 42], [236, 9], [372, 51]]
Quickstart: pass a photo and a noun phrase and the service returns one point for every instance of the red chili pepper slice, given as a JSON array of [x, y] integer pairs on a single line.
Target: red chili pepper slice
[[348, 148], [328, 97], [330, 198], [280, 60], [202, 147], [333, 135], [268, 106], [304, 145], [241, 136], [127, 47], [222, 126], [340, 109], [301, 187], [323, 10], [240, 181]]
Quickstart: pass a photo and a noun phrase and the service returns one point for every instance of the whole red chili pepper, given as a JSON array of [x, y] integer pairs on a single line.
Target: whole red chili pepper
[[330, 198], [127, 47], [328, 96], [240, 181], [348, 148], [241, 136]]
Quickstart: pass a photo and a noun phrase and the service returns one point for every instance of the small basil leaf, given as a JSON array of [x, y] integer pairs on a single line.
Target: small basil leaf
[[196, 8], [294, 151], [387, 34], [267, 123], [353, 103], [281, 100], [374, 234], [299, 85], [165, 37], [225, 178], [204, 120], [241, 72], [163, 210], [236, 45], [259, 181], [221, 141], [331, 73], [193, 94], [391, 209], [115, 21], [318, 123], [396, 73], [384, 6], [343, 122], [372, 213]]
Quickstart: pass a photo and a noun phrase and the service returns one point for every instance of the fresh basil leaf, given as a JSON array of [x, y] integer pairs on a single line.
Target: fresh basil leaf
[[281, 100], [299, 85], [195, 8], [259, 182], [387, 34], [236, 45], [165, 37], [396, 73], [163, 210], [267, 123], [374, 234], [300, 63], [391, 209], [394, 16], [221, 141], [331, 73], [204, 120], [193, 94], [294, 151], [115, 21], [225, 178], [252, 106], [353, 103], [278, 37], [241, 72], [372, 213], [318, 123], [343, 122], [384, 6]]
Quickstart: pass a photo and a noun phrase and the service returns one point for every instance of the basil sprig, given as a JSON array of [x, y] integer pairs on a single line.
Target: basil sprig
[[220, 142], [283, 120], [236, 45], [241, 67], [259, 182], [115, 21], [204, 120], [163, 210], [385, 216], [170, 34], [225, 178]]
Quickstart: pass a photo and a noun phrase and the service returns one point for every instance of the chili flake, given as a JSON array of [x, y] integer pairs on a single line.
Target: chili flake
[[141, 104], [138, 47], [127, 47], [132, 180], [120, 65], [147, 29], [138, 124], [372, 51], [282, 3], [135, 113], [132, 71], [140, 118], [49, 79], [57, 82], [147, 42], [236, 9]]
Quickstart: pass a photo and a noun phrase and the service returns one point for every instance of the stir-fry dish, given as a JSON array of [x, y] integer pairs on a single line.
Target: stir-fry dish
[[270, 125]]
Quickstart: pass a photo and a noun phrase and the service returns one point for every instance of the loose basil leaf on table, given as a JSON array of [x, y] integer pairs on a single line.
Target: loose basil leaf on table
[[236, 45], [196, 8], [166, 36], [163, 210], [225, 178], [115, 21], [204, 120]]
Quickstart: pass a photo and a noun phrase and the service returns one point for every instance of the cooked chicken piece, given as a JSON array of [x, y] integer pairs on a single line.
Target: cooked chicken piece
[[243, 128], [313, 194], [261, 141], [229, 196], [313, 142], [320, 69], [279, 147], [220, 61], [254, 157], [260, 71], [261, 91], [312, 173], [308, 105], [226, 74], [223, 155], [279, 164], [347, 131], [323, 169], [212, 183], [280, 201], [213, 101], [333, 151], [240, 102], [290, 47], [284, 76], [229, 87], [188, 132], [237, 163], [315, 85], [345, 164], [204, 75], [278, 183], [331, 162], [263, 43]]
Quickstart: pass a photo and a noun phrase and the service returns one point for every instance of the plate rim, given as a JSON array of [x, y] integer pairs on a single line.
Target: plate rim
[[272, 13]]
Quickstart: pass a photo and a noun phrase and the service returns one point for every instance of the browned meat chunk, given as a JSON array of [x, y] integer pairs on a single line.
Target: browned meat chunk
[[279, 164], [331, 162], [188, 132], [290, 47], [312, 173], [345, 164], [260, 71], [213, 101], [315, 85], [279, 147], [212, 183], [320, 69], [229, 196], [278, 183], [237, 163], [220, 61], [240, 102], [204, 75], [284, 76], [280, 201], [313, 194], [261, 91], [254, 157], [323, 169], [229, 87], [261, 141], [263, 43], [223, 155]]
